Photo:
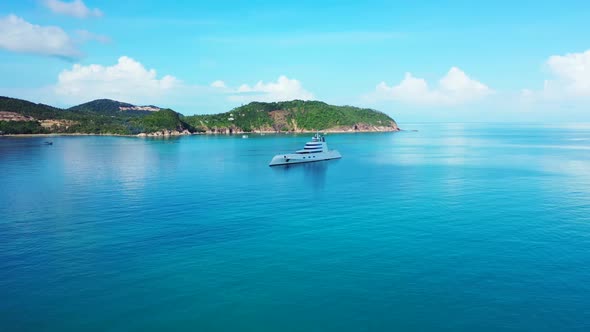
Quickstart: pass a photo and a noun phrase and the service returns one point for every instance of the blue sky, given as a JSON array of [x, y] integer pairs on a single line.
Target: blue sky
[[415, 60]]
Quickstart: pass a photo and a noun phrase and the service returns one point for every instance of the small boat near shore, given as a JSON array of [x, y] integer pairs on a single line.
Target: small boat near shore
[[315, 150]]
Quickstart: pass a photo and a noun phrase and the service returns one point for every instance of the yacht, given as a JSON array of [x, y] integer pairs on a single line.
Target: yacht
[[316, 150]]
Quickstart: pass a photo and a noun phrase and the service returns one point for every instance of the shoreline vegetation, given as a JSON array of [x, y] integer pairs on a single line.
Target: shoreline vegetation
[[152, 135], [106, 117]]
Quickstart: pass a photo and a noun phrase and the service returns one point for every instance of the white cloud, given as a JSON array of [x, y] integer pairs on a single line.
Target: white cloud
[[454, 88], [128, 80], [18, 35], [218, 84], [76, 8], [571, 78], [283, 89], [84, 35]]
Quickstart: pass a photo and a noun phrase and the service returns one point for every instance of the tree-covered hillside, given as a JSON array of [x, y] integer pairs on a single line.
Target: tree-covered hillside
[[97, 117], [296, 115], [103, 116], [100, 106], [21, 127], [165, 119], [23, 107], [109, 107]]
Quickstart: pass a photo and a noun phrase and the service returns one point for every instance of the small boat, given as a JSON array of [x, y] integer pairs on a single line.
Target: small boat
[[316, 150], [244, 136], [48, 143]]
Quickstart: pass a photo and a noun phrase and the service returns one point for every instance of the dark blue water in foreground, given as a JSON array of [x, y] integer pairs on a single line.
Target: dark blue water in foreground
[[451, 228]]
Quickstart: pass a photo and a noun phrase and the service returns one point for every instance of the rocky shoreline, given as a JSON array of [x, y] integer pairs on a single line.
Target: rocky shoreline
[[238, 131], [226, 131], [165, 133], [358, 128]]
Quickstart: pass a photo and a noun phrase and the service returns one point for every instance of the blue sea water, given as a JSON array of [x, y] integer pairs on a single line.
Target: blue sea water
[[453, 227]]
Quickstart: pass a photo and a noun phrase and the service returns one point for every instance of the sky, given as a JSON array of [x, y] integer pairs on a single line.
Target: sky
[[418, 61]]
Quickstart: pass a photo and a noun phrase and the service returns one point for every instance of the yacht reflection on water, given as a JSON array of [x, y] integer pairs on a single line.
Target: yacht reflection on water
[[313, 173]]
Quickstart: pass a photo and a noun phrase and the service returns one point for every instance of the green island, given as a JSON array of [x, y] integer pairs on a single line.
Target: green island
[[110, 117]]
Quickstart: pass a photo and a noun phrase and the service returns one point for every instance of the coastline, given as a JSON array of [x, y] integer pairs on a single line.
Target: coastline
[[62, 134], [256, 132]]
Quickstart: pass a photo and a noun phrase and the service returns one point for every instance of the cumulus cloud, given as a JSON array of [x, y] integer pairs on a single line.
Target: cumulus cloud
[[18, 35], [127, 80], [571, 78], [76, 8], [283, 89], [454, 88], [84, 36], [218, 84]]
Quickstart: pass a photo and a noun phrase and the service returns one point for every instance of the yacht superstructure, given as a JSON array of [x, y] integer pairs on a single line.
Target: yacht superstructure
[[315, 150]]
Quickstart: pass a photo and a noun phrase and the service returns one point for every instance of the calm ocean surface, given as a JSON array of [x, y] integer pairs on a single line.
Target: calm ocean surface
[[455, 227]]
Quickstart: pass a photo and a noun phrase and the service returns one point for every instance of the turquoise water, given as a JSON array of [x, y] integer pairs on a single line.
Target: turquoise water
[[455, 227]]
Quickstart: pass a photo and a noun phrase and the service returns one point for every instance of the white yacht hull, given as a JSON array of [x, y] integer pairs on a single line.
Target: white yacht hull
[[298, 158]]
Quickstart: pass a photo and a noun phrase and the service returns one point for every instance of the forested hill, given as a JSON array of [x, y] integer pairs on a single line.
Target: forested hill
[[113, 107], [106, 116], [101, 116], [294, 116], [27, 108]]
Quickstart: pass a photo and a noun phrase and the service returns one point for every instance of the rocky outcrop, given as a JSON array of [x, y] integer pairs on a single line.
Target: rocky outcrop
[[139, 108], [165, 133], [11, 116], [54, 124], [279, 120], [224, 130]]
